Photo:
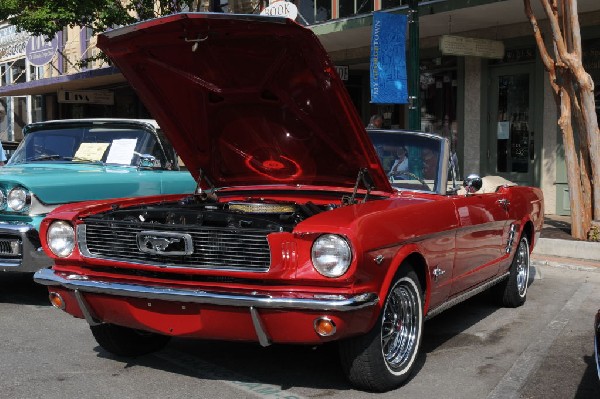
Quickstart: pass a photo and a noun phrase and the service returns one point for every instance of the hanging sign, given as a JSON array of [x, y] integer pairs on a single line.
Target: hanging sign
[[39, 51], [281, 8], [388, 59], [470, 46]]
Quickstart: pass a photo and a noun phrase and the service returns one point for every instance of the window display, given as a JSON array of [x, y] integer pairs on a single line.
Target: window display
[[438, 101]]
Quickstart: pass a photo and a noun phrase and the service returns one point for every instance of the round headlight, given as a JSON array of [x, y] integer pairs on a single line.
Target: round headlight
[[61, 238], [331, 255], [18, 199]]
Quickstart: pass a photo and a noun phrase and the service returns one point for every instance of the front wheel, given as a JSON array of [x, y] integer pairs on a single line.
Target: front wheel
[[124, 341], [384, 358], [512, 292]]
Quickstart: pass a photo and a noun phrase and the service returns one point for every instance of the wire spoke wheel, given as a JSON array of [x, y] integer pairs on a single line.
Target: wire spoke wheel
[[522, 267], [384, 358], [400, 326], [512, 292]]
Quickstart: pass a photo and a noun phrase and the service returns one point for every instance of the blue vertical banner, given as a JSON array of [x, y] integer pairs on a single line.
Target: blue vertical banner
[[388, 59]]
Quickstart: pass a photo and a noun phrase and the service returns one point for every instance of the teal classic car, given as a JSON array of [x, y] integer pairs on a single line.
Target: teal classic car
[[67, 161]]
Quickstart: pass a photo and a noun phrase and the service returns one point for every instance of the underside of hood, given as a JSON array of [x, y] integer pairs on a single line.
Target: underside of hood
[[246, 100]]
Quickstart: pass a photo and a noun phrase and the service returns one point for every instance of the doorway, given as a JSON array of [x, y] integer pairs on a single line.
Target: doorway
[[511, 140]]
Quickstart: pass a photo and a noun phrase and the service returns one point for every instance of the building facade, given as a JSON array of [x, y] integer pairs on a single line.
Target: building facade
[[498, 110]]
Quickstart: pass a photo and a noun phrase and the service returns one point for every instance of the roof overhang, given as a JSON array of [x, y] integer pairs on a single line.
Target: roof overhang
[[436, 18], [81, 80]]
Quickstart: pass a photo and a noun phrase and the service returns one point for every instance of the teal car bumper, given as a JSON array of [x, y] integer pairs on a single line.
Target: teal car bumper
[[20, 249]]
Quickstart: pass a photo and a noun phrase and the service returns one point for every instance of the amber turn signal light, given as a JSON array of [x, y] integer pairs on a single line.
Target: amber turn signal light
[[324, 326], [56, 300]]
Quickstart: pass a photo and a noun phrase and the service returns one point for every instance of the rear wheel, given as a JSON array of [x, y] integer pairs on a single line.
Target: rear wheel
[[384, 358], [123, 341], [512, 292]]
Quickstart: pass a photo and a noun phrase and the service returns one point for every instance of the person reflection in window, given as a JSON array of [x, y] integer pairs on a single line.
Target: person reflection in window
[[400, 165]]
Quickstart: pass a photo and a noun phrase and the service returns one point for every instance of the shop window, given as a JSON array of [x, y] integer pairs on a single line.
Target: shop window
[[18, 74], [392, 3], [348, 8], [322, 10], [36, 72], [3, 118], [36, 109], [439, 90], [591, 63], [3, 75], [87, 47], [20, 117]]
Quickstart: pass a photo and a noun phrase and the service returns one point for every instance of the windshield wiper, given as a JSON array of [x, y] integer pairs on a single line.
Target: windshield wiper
[[78, 159], [48, 157]]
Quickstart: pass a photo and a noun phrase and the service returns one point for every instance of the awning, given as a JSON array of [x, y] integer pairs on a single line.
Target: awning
[[76, 81]]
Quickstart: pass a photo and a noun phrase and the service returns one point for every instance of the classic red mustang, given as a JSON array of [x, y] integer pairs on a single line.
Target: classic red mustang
[[305, 228]]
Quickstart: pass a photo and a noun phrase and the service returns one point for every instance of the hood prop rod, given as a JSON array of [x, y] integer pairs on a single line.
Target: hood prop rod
[[209, 194], [365, 178]]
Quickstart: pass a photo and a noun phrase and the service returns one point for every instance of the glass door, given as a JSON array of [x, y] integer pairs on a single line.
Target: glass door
[[511, 145]]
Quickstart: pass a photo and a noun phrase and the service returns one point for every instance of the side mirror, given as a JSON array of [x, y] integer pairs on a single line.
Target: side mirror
[[147, 161], [472, 183]]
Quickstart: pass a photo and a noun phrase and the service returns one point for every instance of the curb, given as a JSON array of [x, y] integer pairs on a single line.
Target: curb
[[580, 250], [565, 263]]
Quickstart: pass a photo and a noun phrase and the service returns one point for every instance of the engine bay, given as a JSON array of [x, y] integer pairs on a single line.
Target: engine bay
[[198, 212]]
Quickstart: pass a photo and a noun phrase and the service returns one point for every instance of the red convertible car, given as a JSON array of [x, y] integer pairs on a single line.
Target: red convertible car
[[298, 232]]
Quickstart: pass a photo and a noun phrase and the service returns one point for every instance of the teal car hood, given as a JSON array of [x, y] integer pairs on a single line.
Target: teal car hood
[[62, 183]]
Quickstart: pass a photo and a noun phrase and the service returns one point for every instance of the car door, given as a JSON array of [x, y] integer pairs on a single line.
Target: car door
[[480, 247]]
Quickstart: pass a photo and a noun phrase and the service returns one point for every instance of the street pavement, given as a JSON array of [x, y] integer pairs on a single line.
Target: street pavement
[[543, 349]]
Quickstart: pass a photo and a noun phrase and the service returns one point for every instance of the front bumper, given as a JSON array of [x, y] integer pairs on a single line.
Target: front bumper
[[20, 249], [265, 317]]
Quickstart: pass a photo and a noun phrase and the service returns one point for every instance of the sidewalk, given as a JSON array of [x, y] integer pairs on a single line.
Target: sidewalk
[[556, 247]]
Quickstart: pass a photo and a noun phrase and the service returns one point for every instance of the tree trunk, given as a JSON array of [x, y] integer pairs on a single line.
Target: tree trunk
[[572, 164], [574, 94]]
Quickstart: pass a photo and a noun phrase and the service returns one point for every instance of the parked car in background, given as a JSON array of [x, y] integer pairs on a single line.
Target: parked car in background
[[300, 234], [64, 161]]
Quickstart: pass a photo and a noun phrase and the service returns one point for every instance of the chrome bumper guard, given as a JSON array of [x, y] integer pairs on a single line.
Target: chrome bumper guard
[[318, 302], [20, 250]]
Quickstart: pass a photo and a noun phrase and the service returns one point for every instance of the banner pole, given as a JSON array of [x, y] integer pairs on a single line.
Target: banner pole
[[414, 103]]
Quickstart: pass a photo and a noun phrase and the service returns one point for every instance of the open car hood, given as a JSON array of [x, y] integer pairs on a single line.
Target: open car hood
[[246, 100]]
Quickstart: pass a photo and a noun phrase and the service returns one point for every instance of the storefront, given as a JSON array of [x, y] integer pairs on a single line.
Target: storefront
[[16, 111]]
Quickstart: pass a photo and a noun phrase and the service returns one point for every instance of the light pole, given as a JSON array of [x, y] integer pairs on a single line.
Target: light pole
[[414, 104]]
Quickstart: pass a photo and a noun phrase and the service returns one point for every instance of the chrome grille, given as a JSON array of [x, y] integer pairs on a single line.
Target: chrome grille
[[10, 247], [214, 248]]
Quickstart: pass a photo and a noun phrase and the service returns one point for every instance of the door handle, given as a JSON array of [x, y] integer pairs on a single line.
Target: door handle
[[504, 203]]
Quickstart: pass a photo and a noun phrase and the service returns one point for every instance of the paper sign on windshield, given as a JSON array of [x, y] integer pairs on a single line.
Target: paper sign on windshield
[[121, 151], [91, 151]]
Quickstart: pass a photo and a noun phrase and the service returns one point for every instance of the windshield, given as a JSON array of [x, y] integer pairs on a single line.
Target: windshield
[[410, 160], [90, 144]]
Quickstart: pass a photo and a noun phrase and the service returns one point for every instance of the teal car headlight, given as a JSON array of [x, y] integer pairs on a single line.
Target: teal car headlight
[[18, 199], [61, 238], [331, 255]]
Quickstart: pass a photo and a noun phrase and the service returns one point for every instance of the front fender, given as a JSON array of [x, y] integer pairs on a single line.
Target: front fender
[[397, 262]]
